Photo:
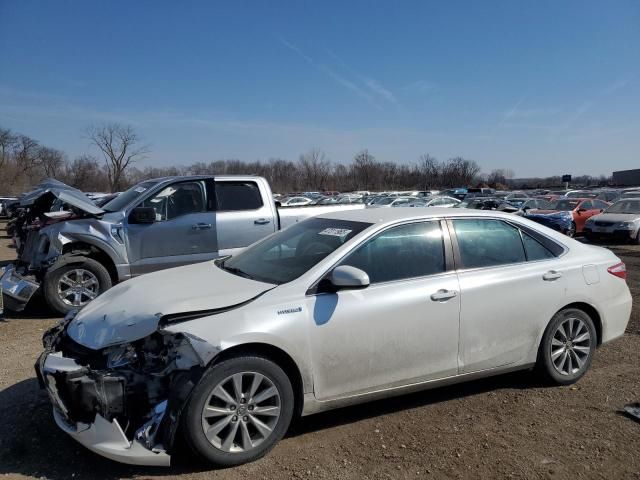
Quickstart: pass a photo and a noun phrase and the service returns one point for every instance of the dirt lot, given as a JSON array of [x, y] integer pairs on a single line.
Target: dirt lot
[[508, 426]]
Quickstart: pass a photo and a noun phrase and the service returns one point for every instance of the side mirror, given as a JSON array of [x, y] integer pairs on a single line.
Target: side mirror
[[581, 211], [142, 215], [345, 276]]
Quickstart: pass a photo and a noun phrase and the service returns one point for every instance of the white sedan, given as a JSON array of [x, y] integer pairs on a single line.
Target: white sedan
[[335, 310]]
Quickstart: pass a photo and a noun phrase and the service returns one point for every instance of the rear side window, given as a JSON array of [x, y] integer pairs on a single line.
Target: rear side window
[[407, 251], [488, 243], [534, 249], [233, 196]]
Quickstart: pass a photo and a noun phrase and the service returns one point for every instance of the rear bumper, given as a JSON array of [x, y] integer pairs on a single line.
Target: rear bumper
[[16, 289]]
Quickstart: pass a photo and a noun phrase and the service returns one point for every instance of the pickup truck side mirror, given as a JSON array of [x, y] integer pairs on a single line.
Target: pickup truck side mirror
[[142, 215], [345, 276]]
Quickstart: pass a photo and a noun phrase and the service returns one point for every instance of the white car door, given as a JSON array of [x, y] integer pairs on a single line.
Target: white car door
[[402, 328], [511, 285]]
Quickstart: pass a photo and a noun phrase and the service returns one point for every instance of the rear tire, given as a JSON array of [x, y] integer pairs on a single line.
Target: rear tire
[[567, 347], [238, 412], [74, 283]]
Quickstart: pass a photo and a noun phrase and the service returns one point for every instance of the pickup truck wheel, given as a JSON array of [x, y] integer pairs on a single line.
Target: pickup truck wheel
[[567, 347], [240, 409], [571, 231], [75, 283]]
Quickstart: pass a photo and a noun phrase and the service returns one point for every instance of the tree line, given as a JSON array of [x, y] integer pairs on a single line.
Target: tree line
[[24, 162]]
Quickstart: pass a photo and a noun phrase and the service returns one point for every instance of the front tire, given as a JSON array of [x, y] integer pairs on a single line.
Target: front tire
[[240, 409], [74, 283], [571, 231], [567, 347]]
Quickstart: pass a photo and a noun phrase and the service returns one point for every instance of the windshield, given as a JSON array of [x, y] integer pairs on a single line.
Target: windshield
[[386, 201], [125, 198], [286, 255], [625, 206], [565, 205]]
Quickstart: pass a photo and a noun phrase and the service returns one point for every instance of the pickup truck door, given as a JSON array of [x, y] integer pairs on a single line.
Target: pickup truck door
[[184, 231], [242, 215]]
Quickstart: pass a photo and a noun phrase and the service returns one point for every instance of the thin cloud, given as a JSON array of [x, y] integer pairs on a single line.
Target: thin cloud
[[377, 88], [339, 79], [420, 86], [373, 85]]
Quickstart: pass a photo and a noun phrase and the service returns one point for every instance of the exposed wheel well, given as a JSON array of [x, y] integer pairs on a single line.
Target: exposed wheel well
[[95, 253], [593, 313], [277, 355]]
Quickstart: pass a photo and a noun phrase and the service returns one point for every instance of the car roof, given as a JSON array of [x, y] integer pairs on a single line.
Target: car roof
[[392, 215]]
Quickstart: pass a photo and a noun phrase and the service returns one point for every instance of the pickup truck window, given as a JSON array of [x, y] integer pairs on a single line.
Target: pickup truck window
[[177, 200], [234, 196], [286, 255]]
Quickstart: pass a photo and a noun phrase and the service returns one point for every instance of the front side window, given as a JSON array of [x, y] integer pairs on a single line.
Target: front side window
[[408, 251], [234, 196], [488, 243], [177, 200], [290, 253], [586, 205], [565, 205]]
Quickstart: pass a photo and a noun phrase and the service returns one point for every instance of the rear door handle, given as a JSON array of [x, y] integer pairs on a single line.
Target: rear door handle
[[551, 275], [443, 295], [262, 221], [201, 226]]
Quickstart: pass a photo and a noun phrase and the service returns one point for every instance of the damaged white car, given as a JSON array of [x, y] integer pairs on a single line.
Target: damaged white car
[[335, 310]]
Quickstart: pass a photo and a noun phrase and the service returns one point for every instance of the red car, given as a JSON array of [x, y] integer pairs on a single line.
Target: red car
[[568, 215]]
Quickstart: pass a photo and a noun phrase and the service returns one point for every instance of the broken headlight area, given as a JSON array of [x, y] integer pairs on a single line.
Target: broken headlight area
[[142, 385]]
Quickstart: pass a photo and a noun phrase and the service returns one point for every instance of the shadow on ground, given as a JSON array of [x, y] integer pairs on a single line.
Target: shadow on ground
[[32, 445]]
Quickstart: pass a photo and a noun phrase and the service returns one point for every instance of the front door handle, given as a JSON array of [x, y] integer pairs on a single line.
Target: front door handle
[[443, 295], [551, 275], [201, 226], [262, 221]]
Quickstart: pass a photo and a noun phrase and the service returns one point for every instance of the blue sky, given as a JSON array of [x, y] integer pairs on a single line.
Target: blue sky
[[541, 87]]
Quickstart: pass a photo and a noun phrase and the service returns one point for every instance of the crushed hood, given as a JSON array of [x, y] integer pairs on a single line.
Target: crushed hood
[[131, 310], [55, 189]]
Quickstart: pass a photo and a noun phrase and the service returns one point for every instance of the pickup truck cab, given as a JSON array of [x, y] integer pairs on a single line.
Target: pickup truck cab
[[75, 255]]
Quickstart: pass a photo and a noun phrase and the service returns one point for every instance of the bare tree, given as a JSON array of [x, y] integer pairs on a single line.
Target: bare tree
[[51, 161], [7, 143], [429, 170], [120, 146], [364, 169], [314, 169]]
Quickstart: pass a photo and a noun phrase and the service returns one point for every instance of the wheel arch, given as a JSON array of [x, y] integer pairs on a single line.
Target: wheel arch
[[593, 313], [275, 354], [94, 252]]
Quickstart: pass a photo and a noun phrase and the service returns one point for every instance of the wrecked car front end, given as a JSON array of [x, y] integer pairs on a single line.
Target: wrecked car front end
[[122, 401]]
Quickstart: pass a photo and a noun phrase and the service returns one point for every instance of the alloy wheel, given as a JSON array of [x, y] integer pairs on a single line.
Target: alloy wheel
[[78, 287], [241, 412], [571, 346]]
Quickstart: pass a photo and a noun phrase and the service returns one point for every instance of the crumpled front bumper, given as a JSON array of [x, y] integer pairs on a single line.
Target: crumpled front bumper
[[16, 289], [101, 436]]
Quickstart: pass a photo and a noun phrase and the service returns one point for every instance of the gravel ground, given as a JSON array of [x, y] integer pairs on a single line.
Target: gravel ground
[[507, 426]]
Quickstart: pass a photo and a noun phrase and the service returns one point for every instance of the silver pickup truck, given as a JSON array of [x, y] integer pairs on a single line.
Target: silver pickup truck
[[75, 254]]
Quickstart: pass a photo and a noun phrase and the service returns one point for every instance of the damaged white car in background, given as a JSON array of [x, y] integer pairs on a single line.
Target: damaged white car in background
[[335, 310]]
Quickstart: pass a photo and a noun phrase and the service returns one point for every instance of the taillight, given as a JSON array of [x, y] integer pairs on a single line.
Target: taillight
[[619, 270]]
